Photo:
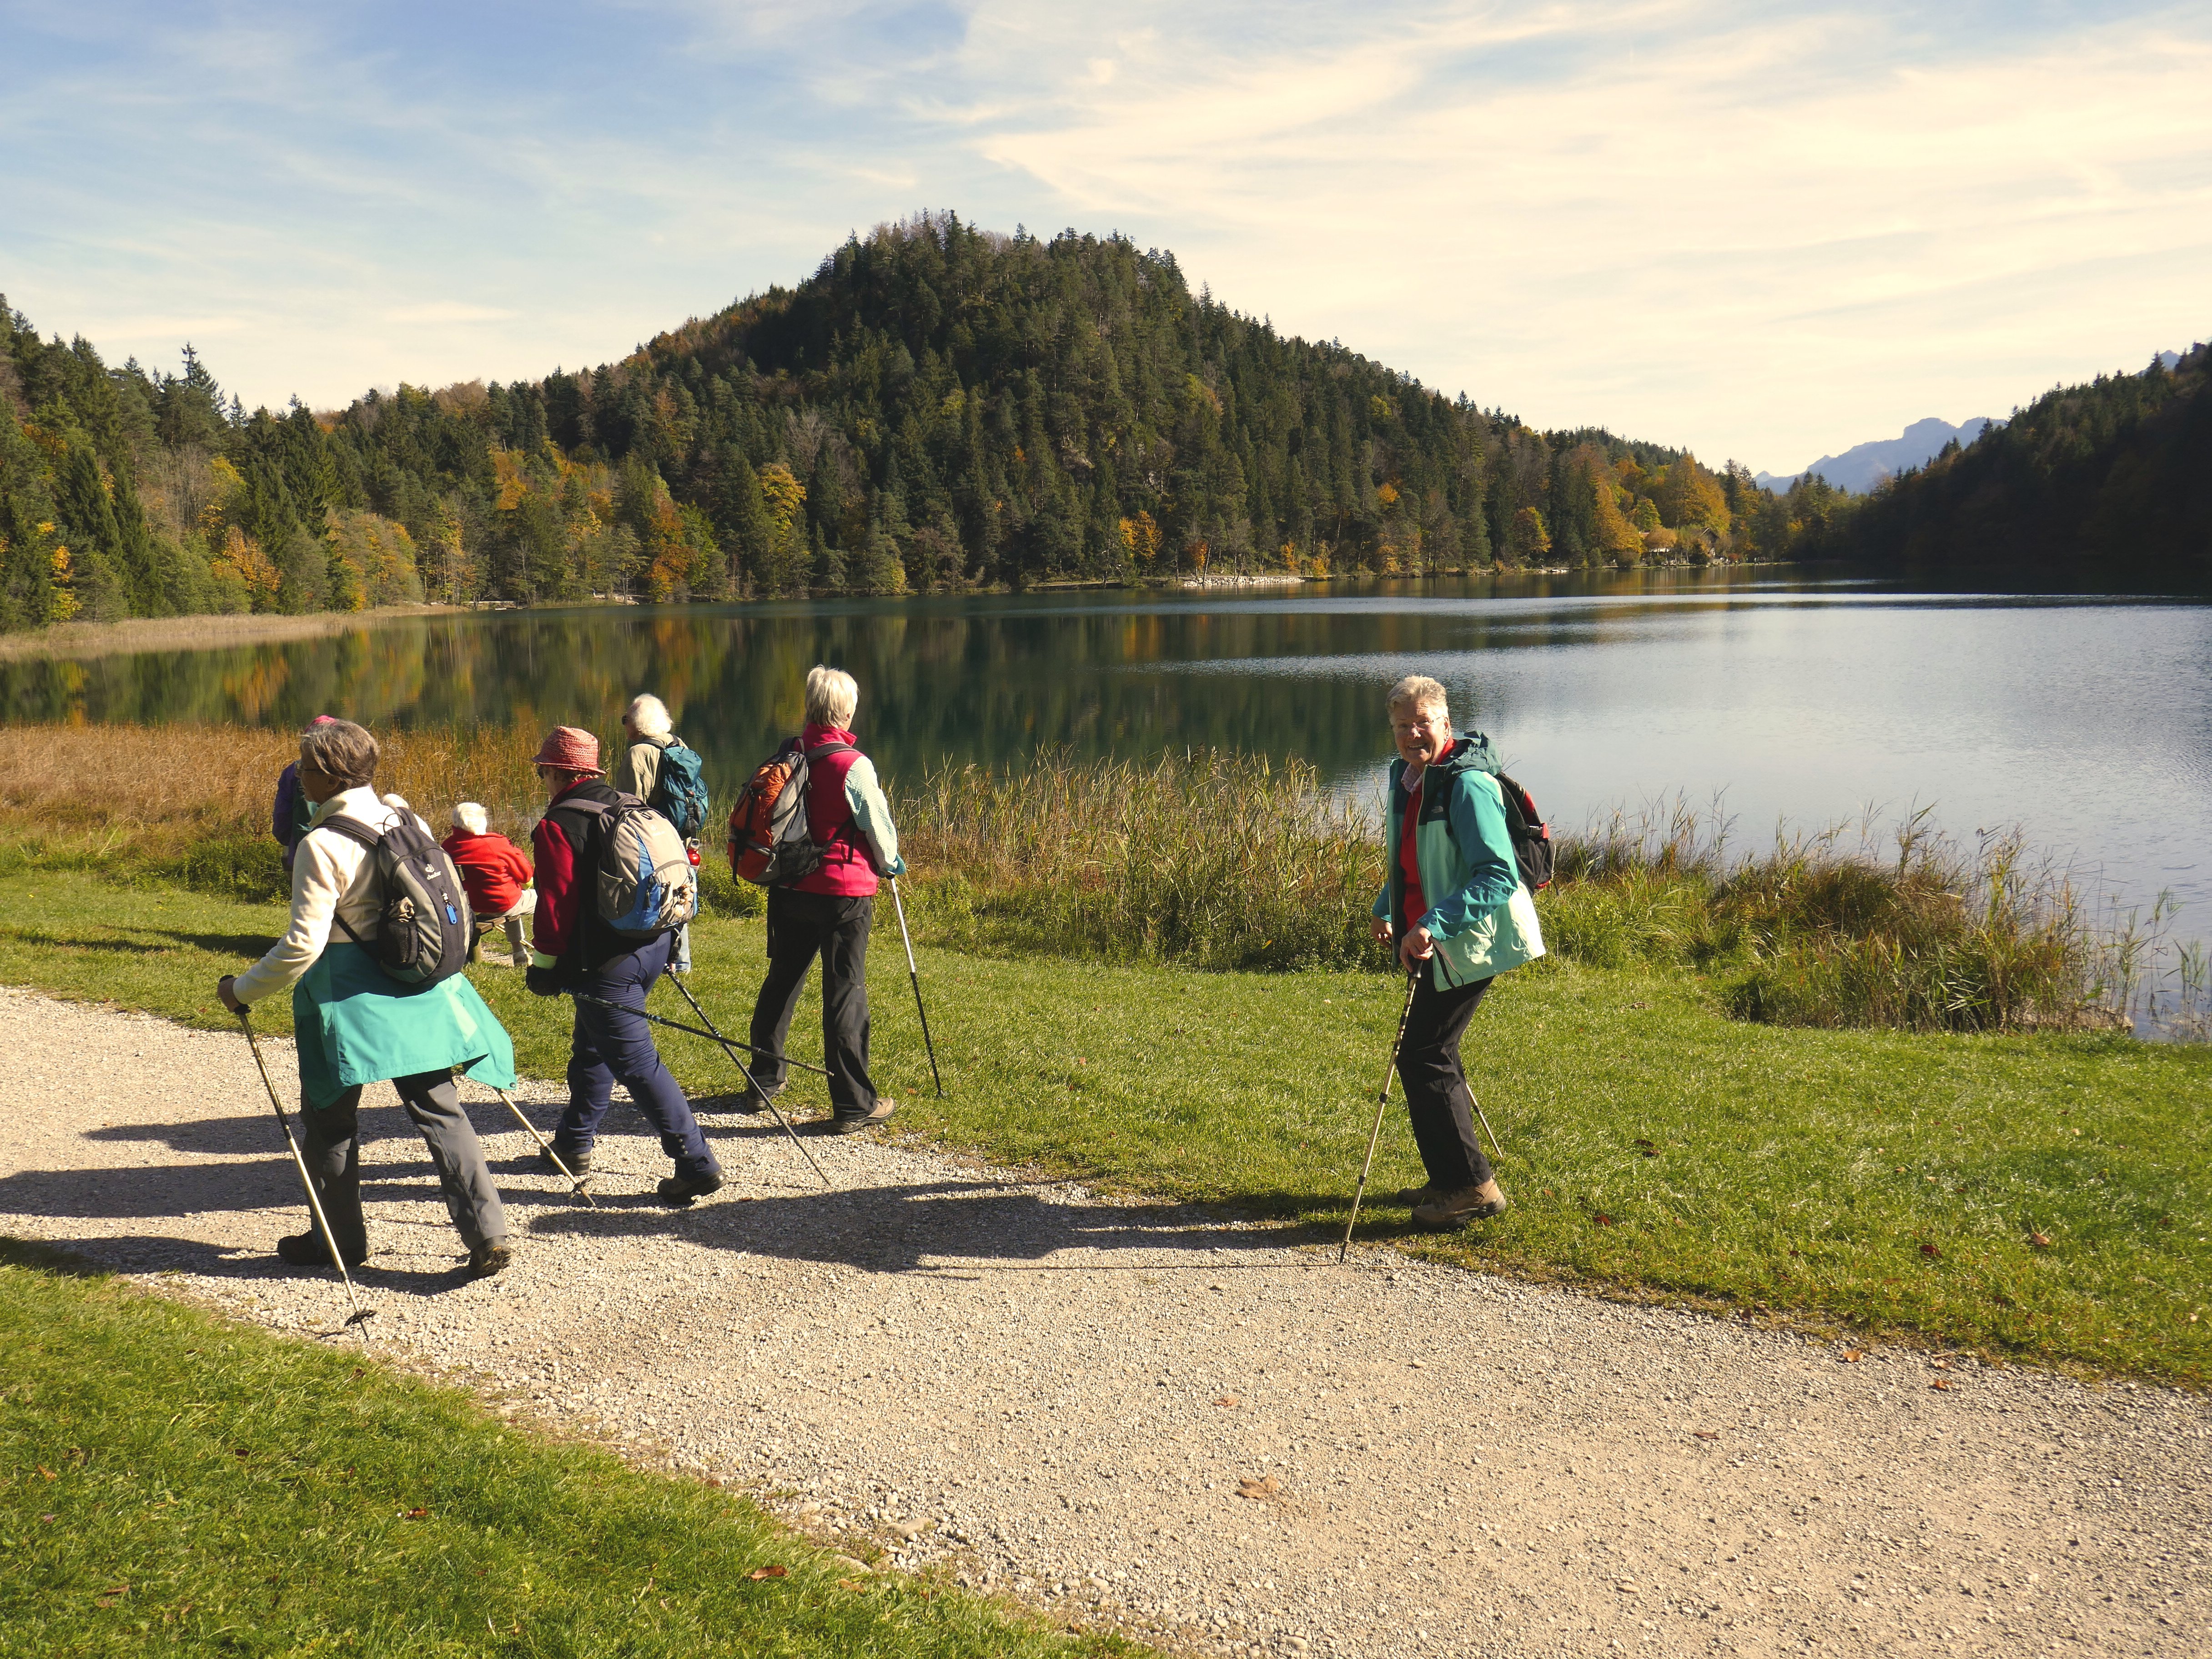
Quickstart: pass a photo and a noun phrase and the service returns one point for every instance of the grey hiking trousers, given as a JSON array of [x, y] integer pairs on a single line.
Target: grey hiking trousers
[[333, 1154]]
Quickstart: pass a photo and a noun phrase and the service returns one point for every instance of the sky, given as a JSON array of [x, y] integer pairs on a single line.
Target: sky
[[1764, 232]]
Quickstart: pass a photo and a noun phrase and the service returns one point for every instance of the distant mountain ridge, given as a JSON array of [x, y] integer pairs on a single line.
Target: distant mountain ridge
[[1863, 467], [2114, 475]]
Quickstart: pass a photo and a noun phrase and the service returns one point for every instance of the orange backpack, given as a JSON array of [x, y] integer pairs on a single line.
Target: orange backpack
[[770, 845]]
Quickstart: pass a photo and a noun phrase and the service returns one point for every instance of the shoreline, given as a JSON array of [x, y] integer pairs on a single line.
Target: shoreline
[[206, 631]]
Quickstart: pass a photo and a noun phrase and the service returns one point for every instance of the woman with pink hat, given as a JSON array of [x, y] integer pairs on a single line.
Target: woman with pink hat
[[575, 950]]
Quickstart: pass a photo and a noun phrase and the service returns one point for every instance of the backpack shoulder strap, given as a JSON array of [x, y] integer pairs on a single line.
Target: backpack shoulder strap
[[353, 830], [821, 751]]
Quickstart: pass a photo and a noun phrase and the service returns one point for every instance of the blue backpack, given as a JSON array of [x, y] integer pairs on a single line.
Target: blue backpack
[[680, 796]]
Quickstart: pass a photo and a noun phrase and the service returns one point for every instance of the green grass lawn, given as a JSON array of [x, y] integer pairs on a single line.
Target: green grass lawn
[[173, 1482], [1889, 1181]]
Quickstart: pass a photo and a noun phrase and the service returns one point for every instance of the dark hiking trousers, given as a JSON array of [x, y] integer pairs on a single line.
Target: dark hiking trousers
[[1437, 1096], [802, 926], [613, 1043], [333, 1155]]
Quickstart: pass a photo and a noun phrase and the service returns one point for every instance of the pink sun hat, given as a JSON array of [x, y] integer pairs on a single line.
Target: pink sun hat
[[570, 748]]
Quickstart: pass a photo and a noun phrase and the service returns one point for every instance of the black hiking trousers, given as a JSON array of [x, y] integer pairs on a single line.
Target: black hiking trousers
[[1437, 1098], [802, 926]]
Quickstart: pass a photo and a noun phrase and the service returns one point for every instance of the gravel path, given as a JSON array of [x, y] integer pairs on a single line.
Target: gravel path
[[1067, 1399]]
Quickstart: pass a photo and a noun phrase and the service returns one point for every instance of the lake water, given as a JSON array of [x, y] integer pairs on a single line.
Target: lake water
[[2084, 719]]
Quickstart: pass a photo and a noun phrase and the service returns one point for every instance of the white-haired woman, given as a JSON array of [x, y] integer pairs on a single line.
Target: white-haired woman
[[665, 773], [828, 912], [1456, 905]]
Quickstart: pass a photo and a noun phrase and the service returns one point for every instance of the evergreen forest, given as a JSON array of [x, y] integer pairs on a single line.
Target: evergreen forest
[[2111, 476], [941, 407]]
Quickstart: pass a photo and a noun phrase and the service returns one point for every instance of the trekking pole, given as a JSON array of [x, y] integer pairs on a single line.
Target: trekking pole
[[693, 1030], [767, 1099], [1486, 1129], [546, 1147], [1381, 1100], [914, 979], [360, 1315]]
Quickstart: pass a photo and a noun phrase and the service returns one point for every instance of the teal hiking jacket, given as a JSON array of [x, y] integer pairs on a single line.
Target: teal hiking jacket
[[1481, 916]]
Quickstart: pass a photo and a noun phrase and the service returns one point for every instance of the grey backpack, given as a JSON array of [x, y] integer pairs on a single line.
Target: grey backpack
[[424, 928], [645, 884]]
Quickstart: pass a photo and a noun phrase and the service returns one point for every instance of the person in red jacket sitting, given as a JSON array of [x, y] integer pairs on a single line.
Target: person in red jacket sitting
[[496, 877]]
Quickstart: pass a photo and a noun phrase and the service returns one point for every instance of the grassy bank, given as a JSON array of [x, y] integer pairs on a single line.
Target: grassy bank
[[1891, 1180], [178, 1483], [1226, 861]]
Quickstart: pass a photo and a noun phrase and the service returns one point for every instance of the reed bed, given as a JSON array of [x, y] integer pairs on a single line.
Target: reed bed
[[1215, 859], [1205, 857], [1849, 925]]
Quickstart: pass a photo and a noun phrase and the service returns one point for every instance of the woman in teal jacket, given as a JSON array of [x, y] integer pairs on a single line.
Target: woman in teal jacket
[[1456, 904], [356, 1025]]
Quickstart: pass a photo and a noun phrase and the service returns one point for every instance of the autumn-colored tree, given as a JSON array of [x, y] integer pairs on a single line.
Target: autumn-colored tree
[[1530, 541], [1688, 495]]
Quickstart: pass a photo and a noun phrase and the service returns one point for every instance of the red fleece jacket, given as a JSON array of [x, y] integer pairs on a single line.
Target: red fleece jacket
[[492, 868]]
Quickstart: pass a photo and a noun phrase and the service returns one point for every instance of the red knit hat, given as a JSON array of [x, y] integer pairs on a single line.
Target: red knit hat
[[570, 748]]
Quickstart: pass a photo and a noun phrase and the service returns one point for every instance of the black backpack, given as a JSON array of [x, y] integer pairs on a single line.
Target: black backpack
[[425, 930], [1531, 835]]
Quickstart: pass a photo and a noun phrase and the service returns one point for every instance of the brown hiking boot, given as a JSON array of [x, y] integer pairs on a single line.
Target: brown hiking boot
[[1416, 1196], [1457, 1209], [839, 1124]]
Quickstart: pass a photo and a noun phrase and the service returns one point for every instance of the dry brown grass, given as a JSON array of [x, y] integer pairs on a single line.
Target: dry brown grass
[[160, 786]]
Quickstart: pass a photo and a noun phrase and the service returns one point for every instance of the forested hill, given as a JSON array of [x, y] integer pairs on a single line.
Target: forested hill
[[2116, 474], [938, 406]]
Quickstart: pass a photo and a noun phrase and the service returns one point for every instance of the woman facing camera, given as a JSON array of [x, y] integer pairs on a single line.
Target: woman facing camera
[[1456, 904]]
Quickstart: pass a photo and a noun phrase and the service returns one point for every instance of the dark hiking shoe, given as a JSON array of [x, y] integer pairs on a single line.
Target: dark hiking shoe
[[1457, 1209], [489, 1258], [753, 1100], [843, 1125], [683, 1189], [578, 1163], [307, 1250]]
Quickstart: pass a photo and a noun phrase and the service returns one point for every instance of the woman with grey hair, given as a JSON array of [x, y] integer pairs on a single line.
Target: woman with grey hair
[[827, 912], [355, 1025], [1456, 905]]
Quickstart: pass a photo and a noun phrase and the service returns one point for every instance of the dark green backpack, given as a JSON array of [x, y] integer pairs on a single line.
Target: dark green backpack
[[680, 792]]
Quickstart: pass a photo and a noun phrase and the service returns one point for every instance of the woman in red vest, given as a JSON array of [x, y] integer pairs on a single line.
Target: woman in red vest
[[828, 912]]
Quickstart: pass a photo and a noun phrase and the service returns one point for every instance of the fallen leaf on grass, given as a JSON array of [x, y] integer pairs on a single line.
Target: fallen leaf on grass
[[1646, 1147], [1706, 1434], [1931, 1252], [768, 1572], [48, 1472], [1265, 1486], [847, 1583], [2041, 1241], [1602, 1219], [1228, 1400], [415, 1514]]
